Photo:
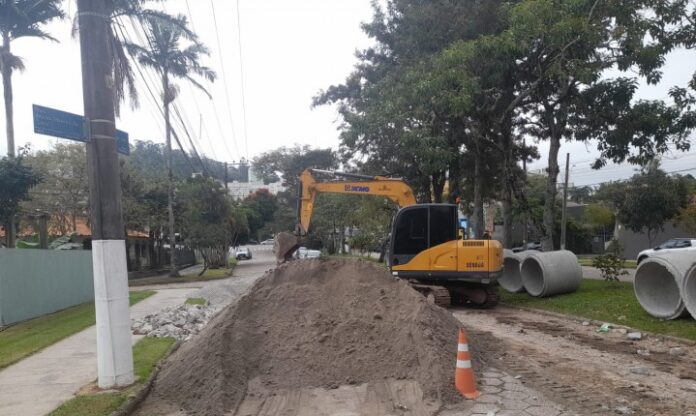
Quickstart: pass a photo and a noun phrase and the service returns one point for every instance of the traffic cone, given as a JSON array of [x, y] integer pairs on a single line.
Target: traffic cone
[[464, 379]]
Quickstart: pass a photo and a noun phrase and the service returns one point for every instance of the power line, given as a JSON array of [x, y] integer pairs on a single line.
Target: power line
[[178, 113], [215, 110], [626, 179], [142, 76], [241, 76], [224, 78]]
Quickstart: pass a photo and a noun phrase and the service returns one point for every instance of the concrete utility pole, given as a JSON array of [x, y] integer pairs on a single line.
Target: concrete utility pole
[[227, 188], [114, 351], [564, 214]]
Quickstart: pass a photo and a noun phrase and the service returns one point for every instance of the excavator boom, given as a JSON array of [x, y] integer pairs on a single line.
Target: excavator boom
[[395, 189]]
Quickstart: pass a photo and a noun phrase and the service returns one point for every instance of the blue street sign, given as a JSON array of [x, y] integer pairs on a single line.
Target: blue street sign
[[69, 126]]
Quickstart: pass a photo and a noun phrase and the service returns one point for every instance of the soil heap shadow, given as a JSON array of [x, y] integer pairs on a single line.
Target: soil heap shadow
[[319, 323]]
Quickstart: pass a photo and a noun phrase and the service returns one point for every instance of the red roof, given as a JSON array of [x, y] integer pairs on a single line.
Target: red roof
[[82, 229]]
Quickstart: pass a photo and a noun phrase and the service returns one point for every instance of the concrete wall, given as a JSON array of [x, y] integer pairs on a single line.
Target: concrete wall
[[634, 243], [38, 282]]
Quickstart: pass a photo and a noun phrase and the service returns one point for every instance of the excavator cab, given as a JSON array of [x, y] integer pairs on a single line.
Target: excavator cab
[[419, 227]]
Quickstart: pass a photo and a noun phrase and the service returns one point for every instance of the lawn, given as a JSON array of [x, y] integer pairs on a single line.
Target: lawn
[[196, 301], [587, 261], [146, 354], [606, 302], [210, 274], [26, 338]]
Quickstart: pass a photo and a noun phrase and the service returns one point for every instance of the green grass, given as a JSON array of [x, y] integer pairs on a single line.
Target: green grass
[[608, 302], [196, 301], [587, 261], [146, 354], [26, 338], [210, 274]]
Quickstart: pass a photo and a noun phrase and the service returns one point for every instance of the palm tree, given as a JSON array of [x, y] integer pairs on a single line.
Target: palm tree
[[166, 54], [19, 19], [137, 13]]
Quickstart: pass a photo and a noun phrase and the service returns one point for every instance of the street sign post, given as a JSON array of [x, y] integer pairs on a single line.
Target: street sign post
[[56, 123]]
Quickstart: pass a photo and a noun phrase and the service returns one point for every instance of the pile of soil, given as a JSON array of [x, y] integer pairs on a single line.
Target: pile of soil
[[320, 323]]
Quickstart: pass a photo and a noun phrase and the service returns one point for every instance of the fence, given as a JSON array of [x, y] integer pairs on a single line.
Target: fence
[[38, 282]]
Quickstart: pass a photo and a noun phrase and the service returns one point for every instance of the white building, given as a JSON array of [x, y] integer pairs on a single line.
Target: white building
[[241, 190]]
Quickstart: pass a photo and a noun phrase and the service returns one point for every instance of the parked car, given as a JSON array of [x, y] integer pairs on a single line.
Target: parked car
[[305, 253], [268, 242], [243, 253], [530, 246], [669, 246]]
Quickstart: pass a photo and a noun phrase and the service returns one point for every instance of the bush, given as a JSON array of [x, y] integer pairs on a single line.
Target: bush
[[610, 264]]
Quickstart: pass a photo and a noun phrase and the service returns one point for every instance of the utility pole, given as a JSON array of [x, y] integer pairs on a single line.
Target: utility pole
[[564, 214], [226, 179], [114, 350]]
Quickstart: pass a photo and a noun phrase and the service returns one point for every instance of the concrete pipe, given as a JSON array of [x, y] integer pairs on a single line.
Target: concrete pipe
[[511, 280], [551, 273], [658, 284], [689, 289]]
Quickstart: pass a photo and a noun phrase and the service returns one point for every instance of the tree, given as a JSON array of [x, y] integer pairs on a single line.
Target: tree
[[687, 218], [63, 192], [651, 199], [205, 218], [599, 217], [287, 163], [171, 60], [21, 19], [16, 179], [580, 194], [405, 111], [260, 207]]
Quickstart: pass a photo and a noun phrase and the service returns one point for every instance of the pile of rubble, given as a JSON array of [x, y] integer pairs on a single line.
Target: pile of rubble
[[181, 323]]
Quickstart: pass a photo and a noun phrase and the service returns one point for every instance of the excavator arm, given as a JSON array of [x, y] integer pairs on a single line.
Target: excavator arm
[[393, 188]]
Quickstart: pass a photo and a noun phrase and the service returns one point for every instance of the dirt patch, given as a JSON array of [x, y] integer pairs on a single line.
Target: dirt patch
[[312, 324], [588, 372]]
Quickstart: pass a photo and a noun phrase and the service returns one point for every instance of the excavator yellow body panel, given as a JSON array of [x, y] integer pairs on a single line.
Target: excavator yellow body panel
[[459, 260]]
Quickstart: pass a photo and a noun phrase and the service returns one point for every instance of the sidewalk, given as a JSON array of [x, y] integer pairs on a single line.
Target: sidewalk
[[38, 384], [594, 274]]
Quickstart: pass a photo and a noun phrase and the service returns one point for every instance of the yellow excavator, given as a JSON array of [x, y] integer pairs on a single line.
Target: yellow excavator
[[425, 247]]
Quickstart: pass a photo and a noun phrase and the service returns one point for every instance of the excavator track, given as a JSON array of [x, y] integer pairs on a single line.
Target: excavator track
[[438, 295], [492, 298], [479, 296]]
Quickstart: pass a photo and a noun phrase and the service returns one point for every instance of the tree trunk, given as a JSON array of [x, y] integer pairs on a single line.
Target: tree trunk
[[477, 219], [507, 216], [438, 184], [170, 177], [551, 191], [7, 88], [509, 162], [10, 233]]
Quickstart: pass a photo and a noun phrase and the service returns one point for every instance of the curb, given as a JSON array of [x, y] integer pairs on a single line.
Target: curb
[[133, 403], [598, 323]]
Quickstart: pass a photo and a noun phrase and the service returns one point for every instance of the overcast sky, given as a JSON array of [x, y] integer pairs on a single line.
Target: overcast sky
[[290, 50]]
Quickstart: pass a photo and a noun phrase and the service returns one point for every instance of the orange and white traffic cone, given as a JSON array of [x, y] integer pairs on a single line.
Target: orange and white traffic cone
[[464, 379]]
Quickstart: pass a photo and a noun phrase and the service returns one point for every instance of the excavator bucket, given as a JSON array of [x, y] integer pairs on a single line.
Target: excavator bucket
[[285, 246]]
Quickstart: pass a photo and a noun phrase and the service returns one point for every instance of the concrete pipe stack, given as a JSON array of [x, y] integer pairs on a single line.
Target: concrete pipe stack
[[511, 280], [551, 273], [664, 283]]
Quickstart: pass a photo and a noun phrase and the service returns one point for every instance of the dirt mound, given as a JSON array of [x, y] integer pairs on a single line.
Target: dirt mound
[[319, 323]]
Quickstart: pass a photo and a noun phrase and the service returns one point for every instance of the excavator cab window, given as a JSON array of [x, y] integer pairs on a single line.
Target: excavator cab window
[[419, 227]]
